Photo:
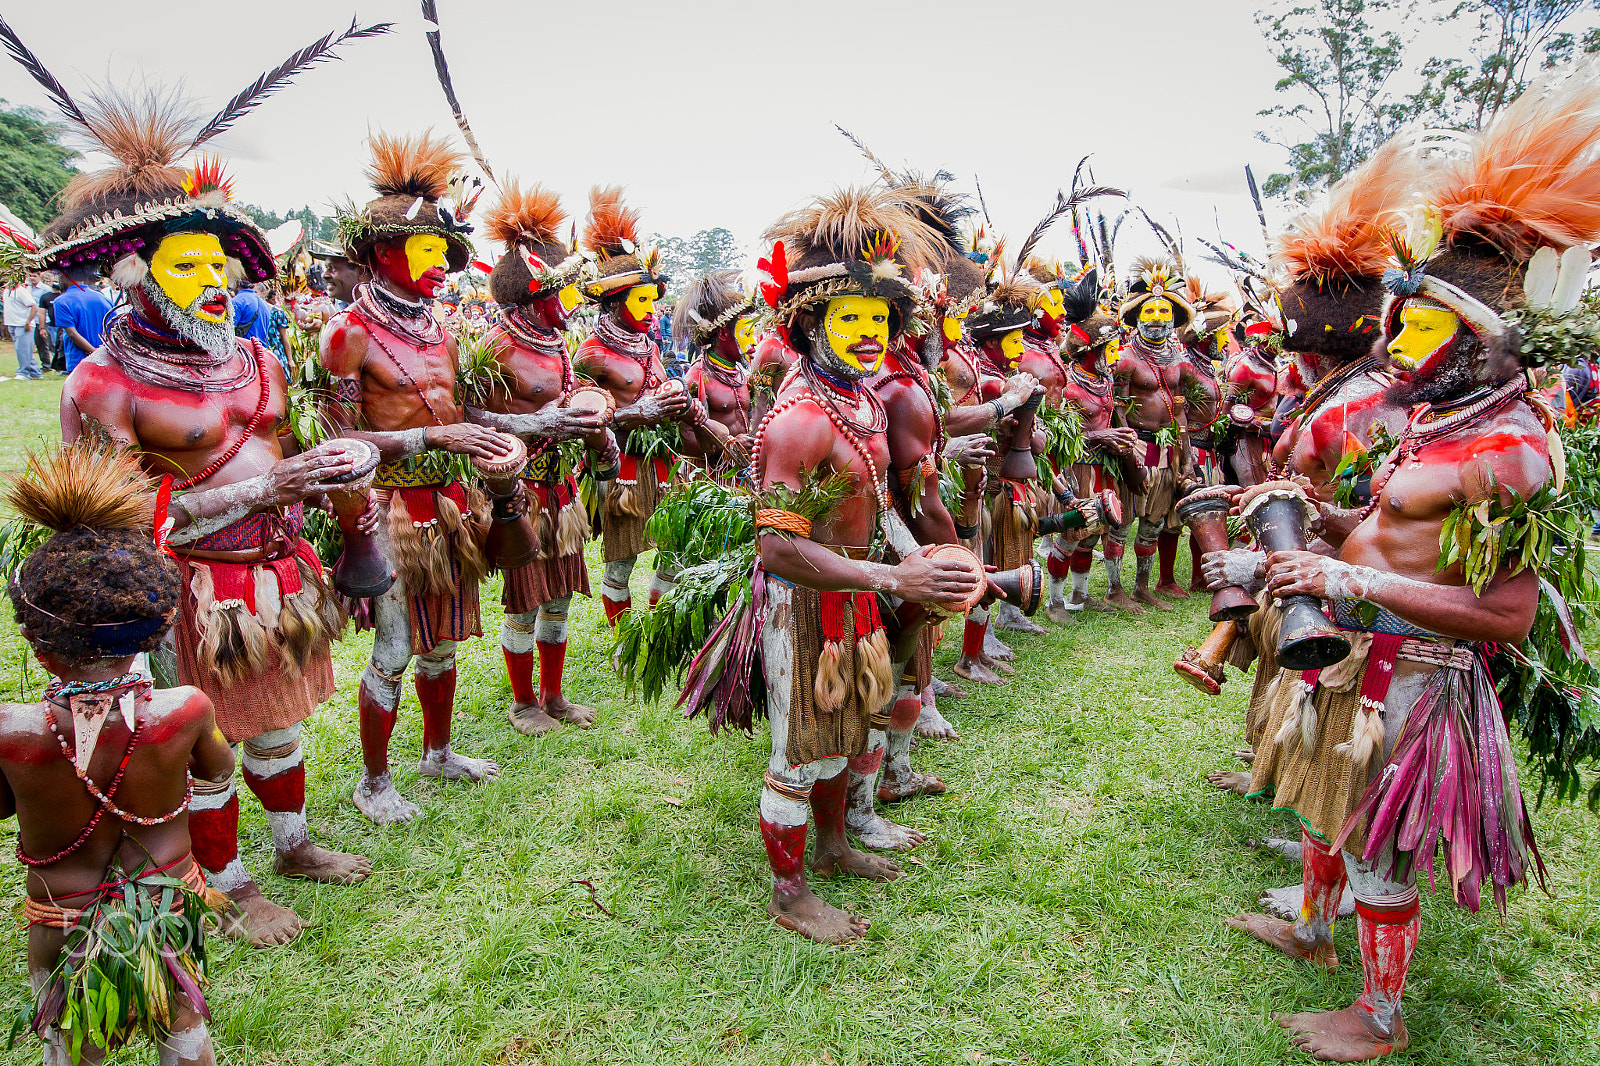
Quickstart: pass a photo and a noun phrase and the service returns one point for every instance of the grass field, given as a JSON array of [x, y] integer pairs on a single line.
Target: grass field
[[1068, 908]]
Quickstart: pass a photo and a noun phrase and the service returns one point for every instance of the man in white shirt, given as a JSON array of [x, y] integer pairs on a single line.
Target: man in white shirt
[[21, 315]]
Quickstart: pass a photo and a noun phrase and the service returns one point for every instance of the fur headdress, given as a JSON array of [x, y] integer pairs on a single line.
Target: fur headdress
[[1009, 307], [537, 261], [413, 177], [1150, 278], [962, 281], [1213, 308], [1521, 207], [707, 304], [120, 215], [1088, 324], [1334, 258], [611, 235], [852, 242]]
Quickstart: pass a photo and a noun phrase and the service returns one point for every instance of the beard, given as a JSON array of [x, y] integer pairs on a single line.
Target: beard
[[1155, 333], [823, 355], [1456, 377], [215, 338]]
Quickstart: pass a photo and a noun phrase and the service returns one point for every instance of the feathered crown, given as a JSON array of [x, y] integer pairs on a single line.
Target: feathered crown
[[1513, 218], [1009, 306], [122, 213], [415, 179], [861, 241], [536, 261], [1148, 279], [1213, 308], [611, 236], [707, 304]]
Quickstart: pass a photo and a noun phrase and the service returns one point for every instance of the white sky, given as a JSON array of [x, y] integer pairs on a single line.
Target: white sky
[[721, 112]]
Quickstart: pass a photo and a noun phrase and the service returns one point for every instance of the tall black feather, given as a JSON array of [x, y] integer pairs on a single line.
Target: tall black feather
[[888, 175], [316, 52], [1083, 298], [1255, 196], [987, 221], [430, 13], [1173, 248], [1077, 173], [1063, 204], [30, 62]]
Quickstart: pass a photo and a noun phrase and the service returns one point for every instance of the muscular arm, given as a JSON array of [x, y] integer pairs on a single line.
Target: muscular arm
[[211, 759], [933, 525], [548, 423]]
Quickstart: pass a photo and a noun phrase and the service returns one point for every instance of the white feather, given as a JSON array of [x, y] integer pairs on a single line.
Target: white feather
[[1574, 272], [129, 271], [1540, 282]]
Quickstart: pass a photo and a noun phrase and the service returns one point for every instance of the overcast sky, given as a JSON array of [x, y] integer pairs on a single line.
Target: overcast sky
[[722, 112]]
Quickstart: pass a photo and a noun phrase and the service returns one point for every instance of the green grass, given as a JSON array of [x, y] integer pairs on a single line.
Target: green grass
[[1068, 909]]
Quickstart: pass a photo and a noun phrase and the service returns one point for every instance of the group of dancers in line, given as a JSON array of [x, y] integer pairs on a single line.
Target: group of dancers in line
[[899, 410]]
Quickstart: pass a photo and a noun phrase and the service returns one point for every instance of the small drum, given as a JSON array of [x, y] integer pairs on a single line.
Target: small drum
[[955, 553], [507, 467], [669, 387], [365, 455], [592, 400]]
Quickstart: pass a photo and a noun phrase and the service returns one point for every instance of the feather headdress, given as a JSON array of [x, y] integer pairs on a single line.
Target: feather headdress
[[413, 177], [1150, 278], [123, 211], [1346, 240], [707, 304], [1009, 306], [851, 242], [1213, 308], [80, 485], [1527, 191], [536, 261], [611, 236]]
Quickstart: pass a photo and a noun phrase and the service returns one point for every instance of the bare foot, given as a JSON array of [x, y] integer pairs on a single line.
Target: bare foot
[[1281, 935], [1230, 781], [1120, 599], [446, 764], [999, 666], [1021, 623], [1171, 588], [259, 920], [976, 671], [1286, 902], [1245, 755], [994, 649], [910, 783], [1060, 614], [311, 863], [807, 915], [571, 713], [1099, 606], [932, 724], [530, 720], [1287, 850], [880, 834], [380, 801], [948, 690], [1150, 599], [1349, 1035], [850, 861]]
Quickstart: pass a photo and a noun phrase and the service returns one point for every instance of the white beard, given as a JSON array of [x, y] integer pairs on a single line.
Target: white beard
[[216, 338]]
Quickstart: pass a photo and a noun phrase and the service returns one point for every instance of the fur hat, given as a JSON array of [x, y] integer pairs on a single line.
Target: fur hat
[[611, 235], [537, 261], [1009, 307], [852, 242], [707, 304], [412, 177], [1148, 279], [1521, 208]]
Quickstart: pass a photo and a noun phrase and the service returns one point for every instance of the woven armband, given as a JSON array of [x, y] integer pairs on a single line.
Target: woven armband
[[783, 521]]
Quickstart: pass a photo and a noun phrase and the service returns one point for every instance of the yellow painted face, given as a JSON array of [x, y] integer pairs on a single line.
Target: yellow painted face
[[1156, 312], [570, 298], [1050, 305], [744, 334], [858, 331], [1423, 331], [425, 252], [1113, 351], [950, 325], [185, 265], [1011, 347], [640, 303]]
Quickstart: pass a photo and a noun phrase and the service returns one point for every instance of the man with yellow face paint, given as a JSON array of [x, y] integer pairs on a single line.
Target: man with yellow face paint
[[393, 369], [623, 358], [715, 318], [533, 285]]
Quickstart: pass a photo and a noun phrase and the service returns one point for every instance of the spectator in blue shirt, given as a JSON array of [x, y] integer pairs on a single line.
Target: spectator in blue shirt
[[81, 313], [251, 316]]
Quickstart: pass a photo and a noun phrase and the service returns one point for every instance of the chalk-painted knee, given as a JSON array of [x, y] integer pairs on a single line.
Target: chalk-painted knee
[[614, 586], [438, 662], [551, 628], [518, 632]]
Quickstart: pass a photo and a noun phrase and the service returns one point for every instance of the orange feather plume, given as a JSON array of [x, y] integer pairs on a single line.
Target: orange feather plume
[[1531, 178], [1349, 236], [413, 166], [145, 132], [533, 214], [610, 223]]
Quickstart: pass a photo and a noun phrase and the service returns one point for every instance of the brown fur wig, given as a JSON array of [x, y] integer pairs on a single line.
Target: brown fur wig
[[409, 174], [528, 219]]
